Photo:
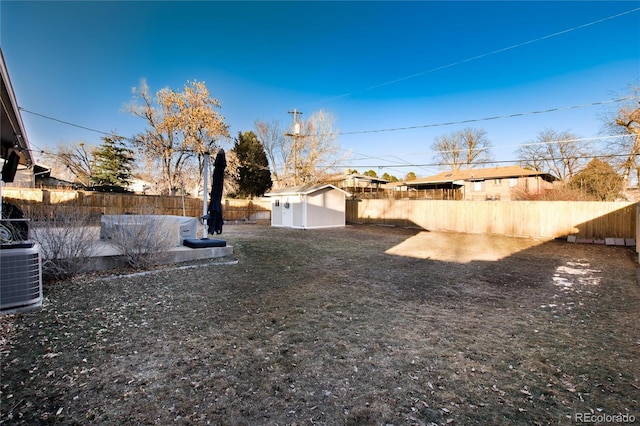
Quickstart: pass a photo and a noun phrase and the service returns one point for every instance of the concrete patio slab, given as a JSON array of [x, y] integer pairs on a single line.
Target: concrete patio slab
[[106, 256]]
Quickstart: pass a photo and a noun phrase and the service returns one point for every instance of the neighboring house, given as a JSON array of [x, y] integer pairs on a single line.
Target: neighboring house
[[140, 186], [24, 178], [355, 183], [308, 206], [43, 179], [495, 183]]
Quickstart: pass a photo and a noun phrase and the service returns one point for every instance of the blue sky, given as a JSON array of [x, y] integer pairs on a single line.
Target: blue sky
[[374, 65]]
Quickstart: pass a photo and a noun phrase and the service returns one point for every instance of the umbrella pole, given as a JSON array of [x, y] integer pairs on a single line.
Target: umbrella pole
[[204, 194]]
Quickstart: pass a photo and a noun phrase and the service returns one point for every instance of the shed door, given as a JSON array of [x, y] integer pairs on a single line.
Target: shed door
[[287, 213]]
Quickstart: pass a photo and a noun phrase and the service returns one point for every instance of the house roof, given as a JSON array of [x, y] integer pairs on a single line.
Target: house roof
[[480, 174], [364, 177], [302, 190], [13, 135]]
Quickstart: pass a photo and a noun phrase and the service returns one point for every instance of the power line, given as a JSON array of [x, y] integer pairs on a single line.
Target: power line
[[598, 138], [388, 166], [497, 117], [484, 55], [409, 127], [510, 47], [419, 74], [580, 157], [64, 122], [405, 163], [549, 142], [393, 129]]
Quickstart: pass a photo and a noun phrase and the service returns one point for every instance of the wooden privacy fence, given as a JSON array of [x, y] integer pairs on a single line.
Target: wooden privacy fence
[[35, 203], [538, 219]]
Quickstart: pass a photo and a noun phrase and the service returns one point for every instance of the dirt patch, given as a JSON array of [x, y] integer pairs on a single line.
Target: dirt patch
[[356, 325]]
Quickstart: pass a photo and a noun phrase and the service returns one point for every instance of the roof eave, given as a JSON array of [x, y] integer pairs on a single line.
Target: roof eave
[[14, 137], [300, 190]]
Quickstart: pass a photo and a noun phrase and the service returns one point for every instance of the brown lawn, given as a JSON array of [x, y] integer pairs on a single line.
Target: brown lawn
[[349, 326]]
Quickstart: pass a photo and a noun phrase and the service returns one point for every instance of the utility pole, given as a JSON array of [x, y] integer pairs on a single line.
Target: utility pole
[[295, 135]]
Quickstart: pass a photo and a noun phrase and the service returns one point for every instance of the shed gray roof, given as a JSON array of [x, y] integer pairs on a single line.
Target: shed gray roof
[[303, 190]]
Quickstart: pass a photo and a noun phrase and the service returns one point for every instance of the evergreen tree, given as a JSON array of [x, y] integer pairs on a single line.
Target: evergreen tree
[[599, 181], [389, 178], [253, 176], [113, 163], [410, 176]]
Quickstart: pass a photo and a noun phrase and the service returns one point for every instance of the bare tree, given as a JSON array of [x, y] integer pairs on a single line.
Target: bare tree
[[191, 178], [448, 151], [315, 153], [73, 161], [318, 151], [183, 127], [562, 154], [625, 150], [230, 186], [279, 149], [463, 149], [533, 156]]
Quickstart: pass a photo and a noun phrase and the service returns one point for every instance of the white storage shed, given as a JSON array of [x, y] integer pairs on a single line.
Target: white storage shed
[[308, 206]]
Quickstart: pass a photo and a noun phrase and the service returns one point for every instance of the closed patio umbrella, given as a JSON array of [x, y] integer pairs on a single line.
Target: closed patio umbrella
[[213, 214], [215, 219]]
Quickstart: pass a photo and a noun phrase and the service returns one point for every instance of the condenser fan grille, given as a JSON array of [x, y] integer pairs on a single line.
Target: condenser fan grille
[[20, 278]]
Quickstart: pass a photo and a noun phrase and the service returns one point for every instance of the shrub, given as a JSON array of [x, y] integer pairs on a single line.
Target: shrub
[[142, 239], [66, 241], [599, 181], [559, 193], [13, 228]]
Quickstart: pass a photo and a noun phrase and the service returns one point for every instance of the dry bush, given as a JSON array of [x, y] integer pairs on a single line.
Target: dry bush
[[66, 239], [560, 193], [12, 232], [142, 239], [5, 234], [13, 227]]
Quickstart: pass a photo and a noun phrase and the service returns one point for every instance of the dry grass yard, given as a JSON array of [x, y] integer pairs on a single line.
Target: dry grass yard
[[361, 325]]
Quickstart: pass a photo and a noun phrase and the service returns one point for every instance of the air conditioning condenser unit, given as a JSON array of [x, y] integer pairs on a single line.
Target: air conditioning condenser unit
[[20, 278]]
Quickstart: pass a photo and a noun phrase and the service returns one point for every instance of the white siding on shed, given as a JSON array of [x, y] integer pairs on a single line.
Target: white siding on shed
[[310, 206], [325, 208]]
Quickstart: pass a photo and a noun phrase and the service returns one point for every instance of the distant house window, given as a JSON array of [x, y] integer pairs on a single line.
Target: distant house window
[[498, 181], [513, 182], [477, 185], [277, 203]]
